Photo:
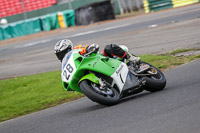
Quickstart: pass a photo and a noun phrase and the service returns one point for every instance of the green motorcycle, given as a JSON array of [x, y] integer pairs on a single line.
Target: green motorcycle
[[107, 80]]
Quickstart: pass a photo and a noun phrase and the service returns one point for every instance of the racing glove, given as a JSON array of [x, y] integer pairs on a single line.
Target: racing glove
[[93, 47]]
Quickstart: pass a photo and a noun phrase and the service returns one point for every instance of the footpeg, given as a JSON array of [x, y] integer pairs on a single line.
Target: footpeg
[[143, 81]]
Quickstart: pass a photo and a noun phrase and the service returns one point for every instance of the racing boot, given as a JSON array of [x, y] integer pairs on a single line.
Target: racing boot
[[132, 59]]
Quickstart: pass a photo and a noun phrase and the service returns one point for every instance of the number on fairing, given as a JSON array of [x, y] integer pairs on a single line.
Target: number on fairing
[[67, 73], [69, 68]]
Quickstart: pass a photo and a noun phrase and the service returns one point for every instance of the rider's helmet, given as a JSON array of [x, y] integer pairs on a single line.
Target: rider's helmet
[[62, 47]]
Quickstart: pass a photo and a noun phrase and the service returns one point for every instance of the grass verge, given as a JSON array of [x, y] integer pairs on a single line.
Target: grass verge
[[24, 95]]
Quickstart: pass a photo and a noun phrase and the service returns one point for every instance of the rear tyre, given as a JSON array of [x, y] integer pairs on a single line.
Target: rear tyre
[[94, 93], [155, 82]]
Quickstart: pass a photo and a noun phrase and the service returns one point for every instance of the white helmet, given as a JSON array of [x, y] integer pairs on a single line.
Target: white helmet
[[62, 47]]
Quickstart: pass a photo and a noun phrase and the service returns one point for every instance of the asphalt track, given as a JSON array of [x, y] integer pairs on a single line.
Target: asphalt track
[[37, 55], [173, 110]]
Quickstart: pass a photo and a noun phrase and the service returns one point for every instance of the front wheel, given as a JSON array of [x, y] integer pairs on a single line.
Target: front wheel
[[155, 82], [106, 96]]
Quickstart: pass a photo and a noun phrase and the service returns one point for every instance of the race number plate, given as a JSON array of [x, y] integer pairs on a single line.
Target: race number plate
[[68, 67]]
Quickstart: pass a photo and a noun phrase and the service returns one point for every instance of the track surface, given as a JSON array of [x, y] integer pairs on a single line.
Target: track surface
[[37, 55], [173, 110]]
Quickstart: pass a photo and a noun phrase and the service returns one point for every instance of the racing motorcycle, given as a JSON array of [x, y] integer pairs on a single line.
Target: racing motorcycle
[[107, 80]]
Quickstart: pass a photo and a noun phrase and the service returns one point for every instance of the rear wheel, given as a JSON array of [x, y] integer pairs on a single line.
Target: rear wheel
[[156, 81], [106, 96]]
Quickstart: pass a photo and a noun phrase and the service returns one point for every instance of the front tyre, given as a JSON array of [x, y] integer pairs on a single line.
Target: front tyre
[[155, 82], [107, 96]]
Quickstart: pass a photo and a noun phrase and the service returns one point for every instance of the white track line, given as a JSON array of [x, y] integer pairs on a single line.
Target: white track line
[[75, 35]]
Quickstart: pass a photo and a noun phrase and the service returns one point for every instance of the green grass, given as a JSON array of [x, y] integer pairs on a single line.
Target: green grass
[[166, 61], [23, 95], [183, 50]]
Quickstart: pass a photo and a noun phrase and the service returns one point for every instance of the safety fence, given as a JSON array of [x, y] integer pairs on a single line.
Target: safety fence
[[38, 24], [155, 5]]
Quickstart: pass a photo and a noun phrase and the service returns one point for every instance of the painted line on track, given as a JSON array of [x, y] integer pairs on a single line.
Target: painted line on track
[[75, 35], [33, 43], [95, 31]]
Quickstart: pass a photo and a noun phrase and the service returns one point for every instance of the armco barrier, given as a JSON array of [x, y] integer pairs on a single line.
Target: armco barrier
[[22, 28], [49, 22], [155, 5], [179, 3], [6, 32], [1, 34], [34, 25], [69, 16], [66, 18], [16, 29]]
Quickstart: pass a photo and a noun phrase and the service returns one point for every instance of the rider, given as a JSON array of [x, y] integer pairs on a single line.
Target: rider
[[64, 46]]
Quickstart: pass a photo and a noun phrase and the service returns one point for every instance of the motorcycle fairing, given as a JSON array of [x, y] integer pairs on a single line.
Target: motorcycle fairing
[[120, 75], [68, 67], [131, 82], [74, 66]]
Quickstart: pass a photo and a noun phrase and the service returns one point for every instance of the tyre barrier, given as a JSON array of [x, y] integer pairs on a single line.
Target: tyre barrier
[[156, 5], [94, 12]]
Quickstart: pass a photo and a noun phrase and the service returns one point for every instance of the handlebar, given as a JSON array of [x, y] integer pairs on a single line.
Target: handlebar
[[89, 53]]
